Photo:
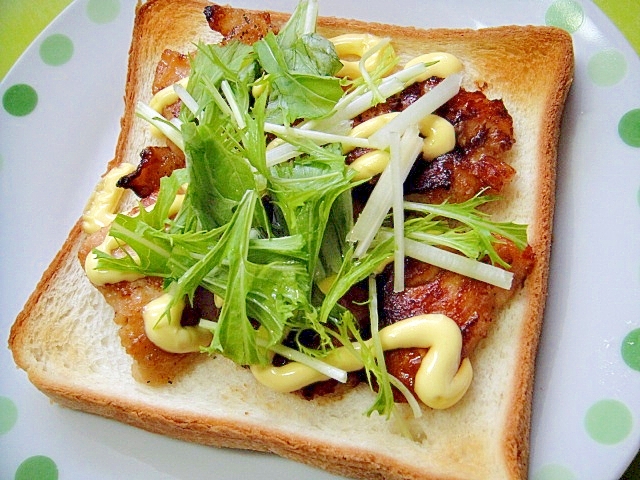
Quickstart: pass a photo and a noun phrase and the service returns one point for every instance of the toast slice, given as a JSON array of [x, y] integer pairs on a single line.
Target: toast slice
[[67, 342]]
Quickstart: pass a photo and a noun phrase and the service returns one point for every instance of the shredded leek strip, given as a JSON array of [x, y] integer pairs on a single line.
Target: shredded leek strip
[[375, 323], [379, 352], [287, 151], [311, 362], [281, 154], [422, 107], [456, 263], [217, 97], [290, 354], [376, 343], [168, 129], [322, 138], [398, 212], [356, 102], [208, 324], [406, 393], [381, 198], [186, 98]]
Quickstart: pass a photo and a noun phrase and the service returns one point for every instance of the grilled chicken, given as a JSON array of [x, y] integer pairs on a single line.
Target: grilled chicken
[[244, 25], [155, 163], [470, 303], [484, 134]]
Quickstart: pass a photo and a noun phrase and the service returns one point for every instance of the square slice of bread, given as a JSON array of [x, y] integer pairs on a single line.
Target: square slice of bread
[[67, 342]]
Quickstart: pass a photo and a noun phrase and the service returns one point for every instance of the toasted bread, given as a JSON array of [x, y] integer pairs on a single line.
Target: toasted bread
[[66, 340]]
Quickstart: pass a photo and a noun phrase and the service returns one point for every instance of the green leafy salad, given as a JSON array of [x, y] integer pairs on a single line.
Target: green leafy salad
[[263, 227]]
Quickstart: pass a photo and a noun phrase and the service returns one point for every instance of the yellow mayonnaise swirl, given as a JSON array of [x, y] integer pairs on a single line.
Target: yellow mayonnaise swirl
[[445, 64], [375, 161], [356, 45], [439, 136], [100, 277], [167, 96], [441, 381], [369, 164], [166, 332], [102, 205], [369, 127]]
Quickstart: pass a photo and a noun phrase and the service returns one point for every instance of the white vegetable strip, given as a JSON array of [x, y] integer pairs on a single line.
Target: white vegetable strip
[[186, 98], [411, 400], [291, 354], [281, 154], [349, 107], [422, 107], [311, 362], [169, 130], [287, 151], [322, 138], [221, 102], [456, 263], [381, 198], [363, 69], [398, 211], [379, 352]]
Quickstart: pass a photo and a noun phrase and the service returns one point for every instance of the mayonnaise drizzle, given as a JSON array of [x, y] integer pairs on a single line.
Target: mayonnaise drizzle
[[357, 45], [100, 277], [166, 332], [445, 64], [101, 207], [441, 381], [439, 136], [167, 96]]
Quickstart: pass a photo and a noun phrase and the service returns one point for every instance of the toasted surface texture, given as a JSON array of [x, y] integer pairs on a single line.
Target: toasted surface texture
[[66, 340]]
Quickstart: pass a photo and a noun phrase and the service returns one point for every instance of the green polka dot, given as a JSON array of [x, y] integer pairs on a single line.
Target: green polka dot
[[629, 128], [8, 414], [56, 49], [20, 100], [607, 67], [631, 349], [608, 422], [40, 467], [565, 14], [103, 11], [554, 472]]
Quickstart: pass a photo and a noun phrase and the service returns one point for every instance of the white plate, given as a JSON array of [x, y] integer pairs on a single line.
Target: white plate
[[587, 393]]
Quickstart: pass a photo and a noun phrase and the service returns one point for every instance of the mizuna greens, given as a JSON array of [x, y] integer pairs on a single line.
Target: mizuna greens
[[262, 232]]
